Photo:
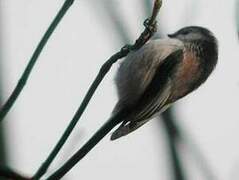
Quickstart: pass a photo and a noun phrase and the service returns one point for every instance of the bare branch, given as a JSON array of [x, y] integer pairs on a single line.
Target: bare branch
[[23, 80], [10, 174]]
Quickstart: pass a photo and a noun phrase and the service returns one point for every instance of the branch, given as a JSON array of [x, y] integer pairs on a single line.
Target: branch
[[21, 83], [177, 134], [178, 170], [198, 155], [150, 28], [10, 174], [173, 137]]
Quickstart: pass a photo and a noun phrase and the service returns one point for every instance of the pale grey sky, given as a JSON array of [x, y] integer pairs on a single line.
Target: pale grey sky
[[68, 65]]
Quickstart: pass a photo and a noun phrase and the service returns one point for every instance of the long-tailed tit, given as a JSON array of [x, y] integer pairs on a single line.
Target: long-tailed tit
[[160, 73]]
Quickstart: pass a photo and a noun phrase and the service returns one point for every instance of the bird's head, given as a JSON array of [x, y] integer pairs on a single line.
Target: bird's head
[[193, 34], [200, 40]]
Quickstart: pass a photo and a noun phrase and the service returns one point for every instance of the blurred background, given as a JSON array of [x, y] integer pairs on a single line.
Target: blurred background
[[87, 36]]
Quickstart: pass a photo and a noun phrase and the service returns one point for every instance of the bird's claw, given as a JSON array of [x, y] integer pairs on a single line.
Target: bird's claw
[[150, 26], [127, 47]]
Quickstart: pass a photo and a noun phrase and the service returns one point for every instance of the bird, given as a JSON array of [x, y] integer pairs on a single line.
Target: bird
[[161, 72]]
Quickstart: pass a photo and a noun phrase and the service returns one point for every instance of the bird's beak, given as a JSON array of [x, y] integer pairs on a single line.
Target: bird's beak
[[171, 35]]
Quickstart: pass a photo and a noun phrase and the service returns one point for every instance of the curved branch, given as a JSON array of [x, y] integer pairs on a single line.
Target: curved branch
[[21, 83], [10, 174], [173, 137]]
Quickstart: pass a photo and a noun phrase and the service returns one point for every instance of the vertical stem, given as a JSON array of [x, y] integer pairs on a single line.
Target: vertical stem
[[21, 83], [3, 155], [176, 162], [173, 135]]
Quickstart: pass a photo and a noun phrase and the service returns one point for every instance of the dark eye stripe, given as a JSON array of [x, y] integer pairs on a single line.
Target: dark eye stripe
[[185, 32]]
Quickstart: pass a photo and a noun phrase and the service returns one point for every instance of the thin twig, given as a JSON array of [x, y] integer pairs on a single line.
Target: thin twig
[[173, 138], [10, 174], [150, 25], [21, 83], [178, 135], [178, 170], [198, 155]]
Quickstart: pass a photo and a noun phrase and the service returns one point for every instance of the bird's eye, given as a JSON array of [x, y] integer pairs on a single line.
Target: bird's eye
[[185, 32]]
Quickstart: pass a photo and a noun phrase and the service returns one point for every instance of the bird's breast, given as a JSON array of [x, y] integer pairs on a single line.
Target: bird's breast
[[185, 75]]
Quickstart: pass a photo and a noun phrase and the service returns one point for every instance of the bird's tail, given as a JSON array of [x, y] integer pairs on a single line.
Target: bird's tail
[[126, 128], [113, 121]]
